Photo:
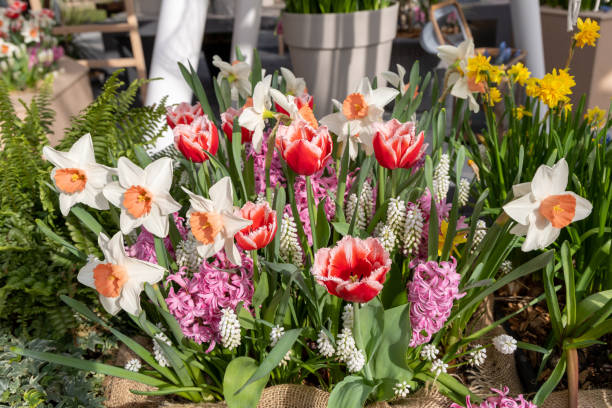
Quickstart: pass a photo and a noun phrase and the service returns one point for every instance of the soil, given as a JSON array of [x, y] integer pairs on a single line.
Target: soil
[[533, 326]]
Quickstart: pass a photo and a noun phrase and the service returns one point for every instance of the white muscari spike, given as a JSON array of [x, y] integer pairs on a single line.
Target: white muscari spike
[[401, 389], [441, 178], [347, 316], [464, 191], [324, 345], [438, 367], [477, 357], [290, 249], [429, 352], [505, 267], [275, 335], [286, 359], [479, 234], [365, 206], [158, 353], [187, 254], [356, 361], [413, 229], [229, 328], [387, 238], [505, 344], [345, 344], [133, 365], [396, 217]]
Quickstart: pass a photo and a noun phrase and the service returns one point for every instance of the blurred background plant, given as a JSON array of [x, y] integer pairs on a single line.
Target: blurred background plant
[[333, 6]]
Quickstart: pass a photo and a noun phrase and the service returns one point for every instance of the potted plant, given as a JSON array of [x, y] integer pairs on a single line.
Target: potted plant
[[594, 67], [333, 44], [29, 53]]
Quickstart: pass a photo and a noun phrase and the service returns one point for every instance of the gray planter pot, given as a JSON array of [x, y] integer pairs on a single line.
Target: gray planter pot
[[332, 52]]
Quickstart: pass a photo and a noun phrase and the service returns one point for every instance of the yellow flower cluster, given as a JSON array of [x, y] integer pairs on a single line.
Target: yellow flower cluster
[[493, 97], [480, 69], [553, 89], [596, 116], [520, 112], [588, 34], [519, 73]]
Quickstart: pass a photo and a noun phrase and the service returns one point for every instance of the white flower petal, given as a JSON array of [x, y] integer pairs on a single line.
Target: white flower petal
[[221, 194], [129, 173], [158, 176], [521, 189], [128, 223], [129, 300], [111, 305], [59, 159], [335, 123], [156, 223], [85, 275], [141, 271], [66, 202], [583, 207], [232, 253], [550, 180], [382, 96], [521, 208], [232, 224], [82, 151], [167, 204], [114, 193], [541, 233], [113, 249]]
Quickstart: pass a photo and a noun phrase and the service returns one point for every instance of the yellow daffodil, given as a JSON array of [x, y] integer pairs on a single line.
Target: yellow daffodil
[[596, 116], [496, 73], [459, 238], [519, 73], [588, 34], [555, 87], [479, 68], [493, 97], [521, 112], [567, 108]]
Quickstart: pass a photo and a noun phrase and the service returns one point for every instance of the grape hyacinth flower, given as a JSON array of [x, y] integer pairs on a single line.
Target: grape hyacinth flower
[[324, 345], [438, 367], [158, 353], [197, 304], [441, 178], [275, 334], [229, 329], [505, 344], [401, 389], [431, 292], [477, 357], [429, 352], [133, 365]]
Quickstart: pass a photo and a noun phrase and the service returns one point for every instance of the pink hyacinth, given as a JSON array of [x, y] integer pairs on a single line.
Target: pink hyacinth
[[432, 291], [502, 400], [144, 247], [198, 302], [259, 166]]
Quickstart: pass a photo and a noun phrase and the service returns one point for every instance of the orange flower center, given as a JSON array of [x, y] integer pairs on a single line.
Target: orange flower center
[[70, 180], [559, 209], [5, 49], [109, 279], [205, 226], [248, 103], [33, 32], [473, 86], [355, 106], [307, 114], [137, 201]]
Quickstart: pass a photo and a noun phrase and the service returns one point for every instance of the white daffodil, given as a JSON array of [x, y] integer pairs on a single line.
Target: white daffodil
[[77, 176], [30, 31], [359, 111], [237, 74], [544, 207], [6, 48], [143, 196], [293, 86], [118, 279], [213, 221], [456, 58], [397, 80], [254, 117]]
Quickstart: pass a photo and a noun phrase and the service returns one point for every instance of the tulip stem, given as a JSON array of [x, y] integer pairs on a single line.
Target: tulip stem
[[342, 174], [394, 174], [380, 197], [255, 265], [311, 214]]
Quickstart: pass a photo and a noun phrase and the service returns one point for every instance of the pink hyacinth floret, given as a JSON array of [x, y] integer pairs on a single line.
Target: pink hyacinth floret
[[197, 303], [144, 247], [502, 400], [431, 292]]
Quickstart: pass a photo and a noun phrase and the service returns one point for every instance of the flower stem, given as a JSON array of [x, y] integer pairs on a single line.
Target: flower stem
[[269, 156], [380, 197], [572, 377], [255, 265], [311, 214]]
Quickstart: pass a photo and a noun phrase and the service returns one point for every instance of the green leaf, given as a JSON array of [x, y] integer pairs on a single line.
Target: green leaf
[[141, 155], [168, 390], [161, 253], [570, 288], [351, 392], [531, 347], [236, 373], [552, 381], [390, 358], [323, 231], [341, 228], [53, 236], [274, 358], [369, 326], [87, 365], [88, 220]]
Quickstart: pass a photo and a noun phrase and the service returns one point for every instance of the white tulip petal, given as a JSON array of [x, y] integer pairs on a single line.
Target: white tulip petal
[[521, 208], [129, 173], [158, 176], [550, 180]]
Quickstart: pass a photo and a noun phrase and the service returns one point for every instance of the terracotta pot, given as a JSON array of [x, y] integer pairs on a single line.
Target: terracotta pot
[[71, 94], [332, 52], [591, 66]]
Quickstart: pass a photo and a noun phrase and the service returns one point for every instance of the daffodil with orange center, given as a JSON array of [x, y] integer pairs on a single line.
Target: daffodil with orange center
[[118, 279], [543, 206], [254, 117], [214, 222], [236, 74], [357, 114], [143, 195], [77, 176]]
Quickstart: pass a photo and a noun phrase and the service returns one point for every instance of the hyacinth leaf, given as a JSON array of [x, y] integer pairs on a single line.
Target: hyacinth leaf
[[363, 173], [570, 289], [88, 220], [161, 253], [87, 365], [139, 350], [531, 347], [390, 358], [279, 206], [341, 228], [249, 176], [256, 70], [368, 328], [552, 302], [236, 159], [351, 392], [272, 360], [448, 385], [593, 310], [552, 381], [597, 331], [323, 232], [173, 232], [394, 285], [192, 79], [53, 236], [312, 215], [451, 231], [218, 164], [236, 373], [141, 155]]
